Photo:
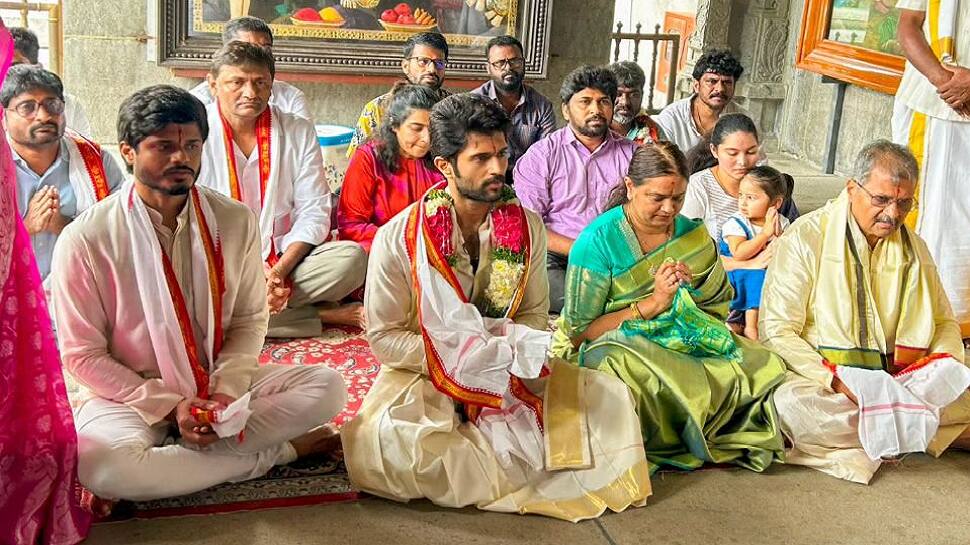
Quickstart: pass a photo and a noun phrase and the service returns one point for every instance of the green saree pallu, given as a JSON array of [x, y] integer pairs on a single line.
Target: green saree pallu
[[693, 409]]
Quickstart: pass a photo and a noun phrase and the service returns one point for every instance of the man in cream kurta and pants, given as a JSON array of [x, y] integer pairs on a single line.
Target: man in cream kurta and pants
[[413, 440], [932, 117], [851, 287], [138, 281]]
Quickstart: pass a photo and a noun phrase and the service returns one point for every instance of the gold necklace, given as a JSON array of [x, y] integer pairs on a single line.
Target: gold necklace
[[663, 256]]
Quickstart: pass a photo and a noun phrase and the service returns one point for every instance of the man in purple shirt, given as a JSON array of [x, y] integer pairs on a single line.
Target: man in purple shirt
[[567, 177], [531, 113]]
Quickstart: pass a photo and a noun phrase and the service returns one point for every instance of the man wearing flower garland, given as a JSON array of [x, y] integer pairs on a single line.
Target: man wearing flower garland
[[468, 409]]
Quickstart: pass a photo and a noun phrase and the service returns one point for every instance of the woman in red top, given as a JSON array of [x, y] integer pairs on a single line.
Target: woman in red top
[[390, 171]]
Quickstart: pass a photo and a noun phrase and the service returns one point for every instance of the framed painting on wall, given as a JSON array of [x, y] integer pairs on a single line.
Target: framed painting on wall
[[357, 36], [852, 41]]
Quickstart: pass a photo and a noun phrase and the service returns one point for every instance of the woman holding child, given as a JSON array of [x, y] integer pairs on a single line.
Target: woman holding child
[[646, 297]]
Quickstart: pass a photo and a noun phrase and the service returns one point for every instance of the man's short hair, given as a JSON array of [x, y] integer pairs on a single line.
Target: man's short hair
[[25, 42], [895, 160], [456, 116], [245, 24], [151, 109], [588, 77], [430, 39], [628, 74], [720, 62], [24, 78], [237, 53], [500, 41]]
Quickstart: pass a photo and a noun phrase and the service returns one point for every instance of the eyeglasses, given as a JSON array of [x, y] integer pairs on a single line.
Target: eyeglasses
[[28, 108], [882, 201], [424, 62], [517, 62]]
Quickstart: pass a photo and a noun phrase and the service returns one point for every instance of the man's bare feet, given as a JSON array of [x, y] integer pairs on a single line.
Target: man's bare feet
[[322, 440], [351, 314]]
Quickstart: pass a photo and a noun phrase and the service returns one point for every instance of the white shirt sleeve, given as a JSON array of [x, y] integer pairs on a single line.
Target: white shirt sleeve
[[695, 202], [294, 101], [311, 193], [732, 228]]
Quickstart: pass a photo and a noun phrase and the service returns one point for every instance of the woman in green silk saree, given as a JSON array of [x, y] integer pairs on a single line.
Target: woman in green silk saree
[[628, 274]]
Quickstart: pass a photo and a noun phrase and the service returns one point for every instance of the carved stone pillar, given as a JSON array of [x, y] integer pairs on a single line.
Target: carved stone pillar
[[711, 29], [760, 35], [763, 44]]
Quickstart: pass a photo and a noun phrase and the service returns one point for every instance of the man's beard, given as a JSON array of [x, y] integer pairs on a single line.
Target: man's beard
[[173, 189], [622, 119], [586, 130], [510, 87], [480, 193], [33, 140], [420, 80]]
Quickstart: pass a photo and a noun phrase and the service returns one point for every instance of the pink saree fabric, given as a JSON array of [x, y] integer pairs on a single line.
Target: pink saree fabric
[[39, 494]]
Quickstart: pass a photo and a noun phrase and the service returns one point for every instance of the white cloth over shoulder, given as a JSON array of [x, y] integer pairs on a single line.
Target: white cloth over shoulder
[[901, 413], [483, 354]]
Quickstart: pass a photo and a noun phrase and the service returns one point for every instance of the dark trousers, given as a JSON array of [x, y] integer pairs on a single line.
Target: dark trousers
[[556, 265]]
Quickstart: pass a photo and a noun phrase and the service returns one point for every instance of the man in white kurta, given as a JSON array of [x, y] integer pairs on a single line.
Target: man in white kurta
[[138, 283], [467, 409], [849, 286], [932, 117], [286, 97], [270, 160]]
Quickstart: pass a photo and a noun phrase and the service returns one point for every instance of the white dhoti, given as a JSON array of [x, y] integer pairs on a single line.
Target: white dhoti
[[942, 218], [122, 457], [823, 427], [408, 442]]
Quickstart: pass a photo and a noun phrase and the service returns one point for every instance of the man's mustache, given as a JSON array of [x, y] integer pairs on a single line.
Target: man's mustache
[[43, 126], [596, 118], [493, 179], [180, 170]]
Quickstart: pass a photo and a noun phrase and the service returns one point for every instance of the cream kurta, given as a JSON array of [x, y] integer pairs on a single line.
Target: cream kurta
[[823, 424], [106, 345], [102, 334], [409, 442]]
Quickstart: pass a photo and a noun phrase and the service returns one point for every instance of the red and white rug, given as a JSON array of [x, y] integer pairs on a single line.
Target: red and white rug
[[309, 482]]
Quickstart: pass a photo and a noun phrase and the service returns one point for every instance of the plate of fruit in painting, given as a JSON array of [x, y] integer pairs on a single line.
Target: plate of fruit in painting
[[403, 19], [327, 18]]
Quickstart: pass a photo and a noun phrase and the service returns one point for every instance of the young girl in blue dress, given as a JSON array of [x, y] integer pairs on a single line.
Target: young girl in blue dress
[[746, 234]]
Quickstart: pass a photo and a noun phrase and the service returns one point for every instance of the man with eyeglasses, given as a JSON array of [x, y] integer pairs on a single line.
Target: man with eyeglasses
[[531, 113], [424, 63], [27, 51], [851, 295], [629, 117], [59, 172], [286, 97]]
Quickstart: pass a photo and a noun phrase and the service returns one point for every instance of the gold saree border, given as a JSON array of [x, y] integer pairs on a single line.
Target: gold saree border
[[567, 430]]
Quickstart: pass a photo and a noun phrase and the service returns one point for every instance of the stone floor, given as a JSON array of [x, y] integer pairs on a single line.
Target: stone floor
[[914, 502], [917, 501]]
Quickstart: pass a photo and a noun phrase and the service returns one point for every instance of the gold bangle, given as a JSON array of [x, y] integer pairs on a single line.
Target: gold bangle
[[636, 310]]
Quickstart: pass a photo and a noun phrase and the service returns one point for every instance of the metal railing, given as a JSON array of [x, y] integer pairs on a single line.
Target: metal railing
[[672, 40], [55, 27]]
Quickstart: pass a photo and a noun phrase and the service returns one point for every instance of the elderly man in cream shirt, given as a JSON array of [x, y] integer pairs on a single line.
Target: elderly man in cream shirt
[[161, 313]]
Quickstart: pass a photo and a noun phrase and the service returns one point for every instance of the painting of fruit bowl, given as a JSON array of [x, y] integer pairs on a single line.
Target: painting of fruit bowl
[[327, 17], [357, 36]]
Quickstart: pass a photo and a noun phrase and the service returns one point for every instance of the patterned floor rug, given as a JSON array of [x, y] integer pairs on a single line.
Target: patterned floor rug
[[307, 482]]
